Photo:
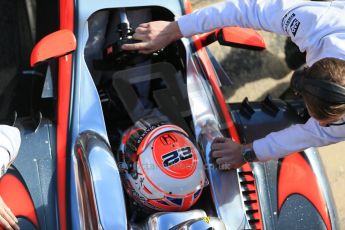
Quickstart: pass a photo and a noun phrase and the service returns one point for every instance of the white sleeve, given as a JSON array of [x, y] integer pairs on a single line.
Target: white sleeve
[[296, 138], [257, 14], [315, 27], [9, 146]]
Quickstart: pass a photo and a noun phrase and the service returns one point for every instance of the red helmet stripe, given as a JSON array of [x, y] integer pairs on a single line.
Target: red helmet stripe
[[187, 202], [146, 190], [161, 206]]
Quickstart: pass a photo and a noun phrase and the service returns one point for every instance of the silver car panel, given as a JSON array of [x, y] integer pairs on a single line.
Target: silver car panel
[[226, 193], [86, 107], [201, 223], [101, 200], [167, 220]]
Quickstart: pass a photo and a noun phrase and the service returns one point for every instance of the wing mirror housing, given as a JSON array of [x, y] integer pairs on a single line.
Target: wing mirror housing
[[54, 45], [232, 36]]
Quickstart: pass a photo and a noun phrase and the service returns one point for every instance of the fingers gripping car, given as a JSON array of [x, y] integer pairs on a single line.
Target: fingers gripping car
[[96, 139]]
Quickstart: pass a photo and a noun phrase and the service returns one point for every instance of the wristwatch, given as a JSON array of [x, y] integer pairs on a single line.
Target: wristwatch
[[249, 154]]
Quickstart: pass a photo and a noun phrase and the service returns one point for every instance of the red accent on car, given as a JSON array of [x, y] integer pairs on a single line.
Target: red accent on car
[[17, 198], [297, 177], [232, 36], [205, 39], [187, 7], [242, 36], [64, 93], [224, 109], [53, 45]]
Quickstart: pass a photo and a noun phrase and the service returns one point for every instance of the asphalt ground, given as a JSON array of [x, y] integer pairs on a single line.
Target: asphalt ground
[[256, 74]]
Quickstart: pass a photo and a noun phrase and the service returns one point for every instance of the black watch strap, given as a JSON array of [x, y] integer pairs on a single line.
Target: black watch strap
[[249, 154]]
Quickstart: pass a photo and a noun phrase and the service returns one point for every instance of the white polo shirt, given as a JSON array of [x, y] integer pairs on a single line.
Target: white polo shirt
[[9, 146], [315, 27]]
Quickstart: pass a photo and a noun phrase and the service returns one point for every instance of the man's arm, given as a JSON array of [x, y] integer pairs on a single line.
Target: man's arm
[[315, 27], [296, 138], [278, 144], [258, 14], [154, 36], [9, 146]]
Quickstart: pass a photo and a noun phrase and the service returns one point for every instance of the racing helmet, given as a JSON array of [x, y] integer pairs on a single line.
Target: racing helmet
[[160, 167]]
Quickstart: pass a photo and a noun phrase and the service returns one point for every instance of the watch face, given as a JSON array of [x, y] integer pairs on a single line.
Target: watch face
[[249, 155]]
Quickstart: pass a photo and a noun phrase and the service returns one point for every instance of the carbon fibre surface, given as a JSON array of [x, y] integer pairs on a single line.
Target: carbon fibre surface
[[36, 165]]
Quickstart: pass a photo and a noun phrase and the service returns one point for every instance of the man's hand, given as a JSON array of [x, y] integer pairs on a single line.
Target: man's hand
[[154, 36], [226, 153], [7, 218]]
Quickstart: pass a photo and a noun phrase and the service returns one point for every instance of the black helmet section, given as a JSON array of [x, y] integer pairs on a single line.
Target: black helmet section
[[324, 90], [140, 129]]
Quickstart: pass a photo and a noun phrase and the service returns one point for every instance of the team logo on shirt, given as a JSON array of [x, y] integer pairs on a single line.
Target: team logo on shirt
[[286, 20], [290, 21], [294, 26]]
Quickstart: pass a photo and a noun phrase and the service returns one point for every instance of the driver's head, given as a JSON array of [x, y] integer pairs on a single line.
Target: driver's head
[[321, 107]]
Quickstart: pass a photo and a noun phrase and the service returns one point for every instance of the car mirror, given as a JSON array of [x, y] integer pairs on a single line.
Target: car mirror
[[232, 36], [54, 45], [240, 37]]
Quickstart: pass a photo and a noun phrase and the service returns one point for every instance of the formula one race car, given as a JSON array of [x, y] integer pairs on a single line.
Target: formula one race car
[[94, 119]]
